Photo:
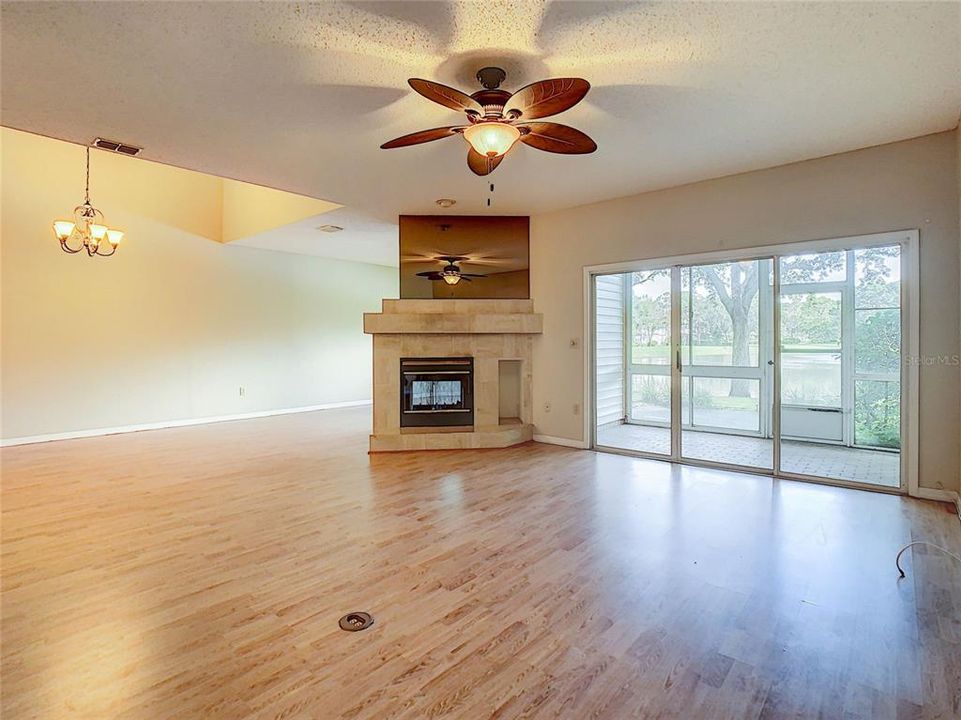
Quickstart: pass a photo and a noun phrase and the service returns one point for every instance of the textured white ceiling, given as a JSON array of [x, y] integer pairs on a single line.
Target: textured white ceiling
[[299, 96]]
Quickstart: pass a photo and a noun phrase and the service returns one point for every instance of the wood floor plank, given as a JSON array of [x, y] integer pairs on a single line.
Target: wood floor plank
[[200, 573]]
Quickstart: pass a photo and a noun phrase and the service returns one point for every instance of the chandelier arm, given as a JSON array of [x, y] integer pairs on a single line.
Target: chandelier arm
[[87, 214], [113, 249], [67, 249]]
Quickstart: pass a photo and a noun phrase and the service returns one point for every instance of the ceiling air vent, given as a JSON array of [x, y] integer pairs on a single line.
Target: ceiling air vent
[[116, 147], [330, 228]]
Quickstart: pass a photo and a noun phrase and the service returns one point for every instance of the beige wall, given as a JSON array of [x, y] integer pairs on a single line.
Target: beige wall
[[251, 209], [174, 324], [911, 184]]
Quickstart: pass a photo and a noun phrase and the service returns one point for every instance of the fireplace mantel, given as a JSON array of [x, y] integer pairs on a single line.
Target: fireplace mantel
[[472, 317], [497, 334]]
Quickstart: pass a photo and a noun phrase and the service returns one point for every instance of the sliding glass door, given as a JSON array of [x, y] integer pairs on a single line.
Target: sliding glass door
[[725, 363], [790, 363]]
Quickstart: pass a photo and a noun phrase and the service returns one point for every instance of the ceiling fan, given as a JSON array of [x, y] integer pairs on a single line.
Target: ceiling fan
[[450, 274], [497, 119]]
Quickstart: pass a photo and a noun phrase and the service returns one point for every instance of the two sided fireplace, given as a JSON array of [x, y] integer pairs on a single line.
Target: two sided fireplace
[[436, 392]]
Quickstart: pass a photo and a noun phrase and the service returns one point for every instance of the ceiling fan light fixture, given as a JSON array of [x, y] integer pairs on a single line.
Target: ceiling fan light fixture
[[491, 138], [451, 277], [496, 118]]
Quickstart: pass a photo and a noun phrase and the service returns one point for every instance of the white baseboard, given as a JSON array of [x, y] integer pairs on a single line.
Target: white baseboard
[[566, 442], [6, 442], [942, 495], [936, 494]]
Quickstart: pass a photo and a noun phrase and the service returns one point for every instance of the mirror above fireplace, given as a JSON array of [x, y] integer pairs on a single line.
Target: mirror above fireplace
[[464, 257]]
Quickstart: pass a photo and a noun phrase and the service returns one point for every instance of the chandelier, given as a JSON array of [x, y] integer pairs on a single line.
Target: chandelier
[[87, 231]]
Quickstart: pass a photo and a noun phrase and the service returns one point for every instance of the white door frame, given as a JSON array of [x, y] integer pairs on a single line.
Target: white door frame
[[910, 336]]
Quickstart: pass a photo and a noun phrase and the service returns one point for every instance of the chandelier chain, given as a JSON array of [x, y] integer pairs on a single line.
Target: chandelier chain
[[87, 192]]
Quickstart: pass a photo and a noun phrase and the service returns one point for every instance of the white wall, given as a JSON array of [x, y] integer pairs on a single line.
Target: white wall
[[911, 184], [174, 324]]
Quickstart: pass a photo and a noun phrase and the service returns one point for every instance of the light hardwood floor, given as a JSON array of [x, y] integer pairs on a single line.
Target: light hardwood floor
[[200, 572]]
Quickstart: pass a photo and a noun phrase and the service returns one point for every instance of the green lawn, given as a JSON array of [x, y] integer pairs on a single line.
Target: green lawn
[[642, 352], [728, 403], [651, 351]]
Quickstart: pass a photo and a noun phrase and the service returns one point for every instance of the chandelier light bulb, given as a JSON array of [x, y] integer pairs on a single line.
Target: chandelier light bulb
[[63, 229], [98, 232], [114, 237]]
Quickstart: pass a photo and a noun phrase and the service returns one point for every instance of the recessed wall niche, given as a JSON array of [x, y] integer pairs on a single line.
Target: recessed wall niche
[[494, 251], [509, 389]]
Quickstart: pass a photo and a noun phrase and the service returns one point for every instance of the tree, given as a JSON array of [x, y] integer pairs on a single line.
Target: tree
[[731, 290], [735, 287], [810, 319], [650, 322]]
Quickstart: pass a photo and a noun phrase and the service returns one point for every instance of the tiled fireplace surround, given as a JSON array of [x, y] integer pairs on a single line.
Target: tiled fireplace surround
[[490, 331]]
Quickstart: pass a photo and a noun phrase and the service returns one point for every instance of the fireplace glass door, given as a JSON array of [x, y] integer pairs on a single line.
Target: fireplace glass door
[[437, 392]]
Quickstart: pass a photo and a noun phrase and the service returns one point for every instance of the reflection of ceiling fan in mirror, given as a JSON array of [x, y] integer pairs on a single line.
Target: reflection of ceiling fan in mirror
[[497, 119], [451, 273]]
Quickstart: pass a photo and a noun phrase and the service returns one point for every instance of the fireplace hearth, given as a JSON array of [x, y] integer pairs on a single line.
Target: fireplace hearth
[[437, 392]]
